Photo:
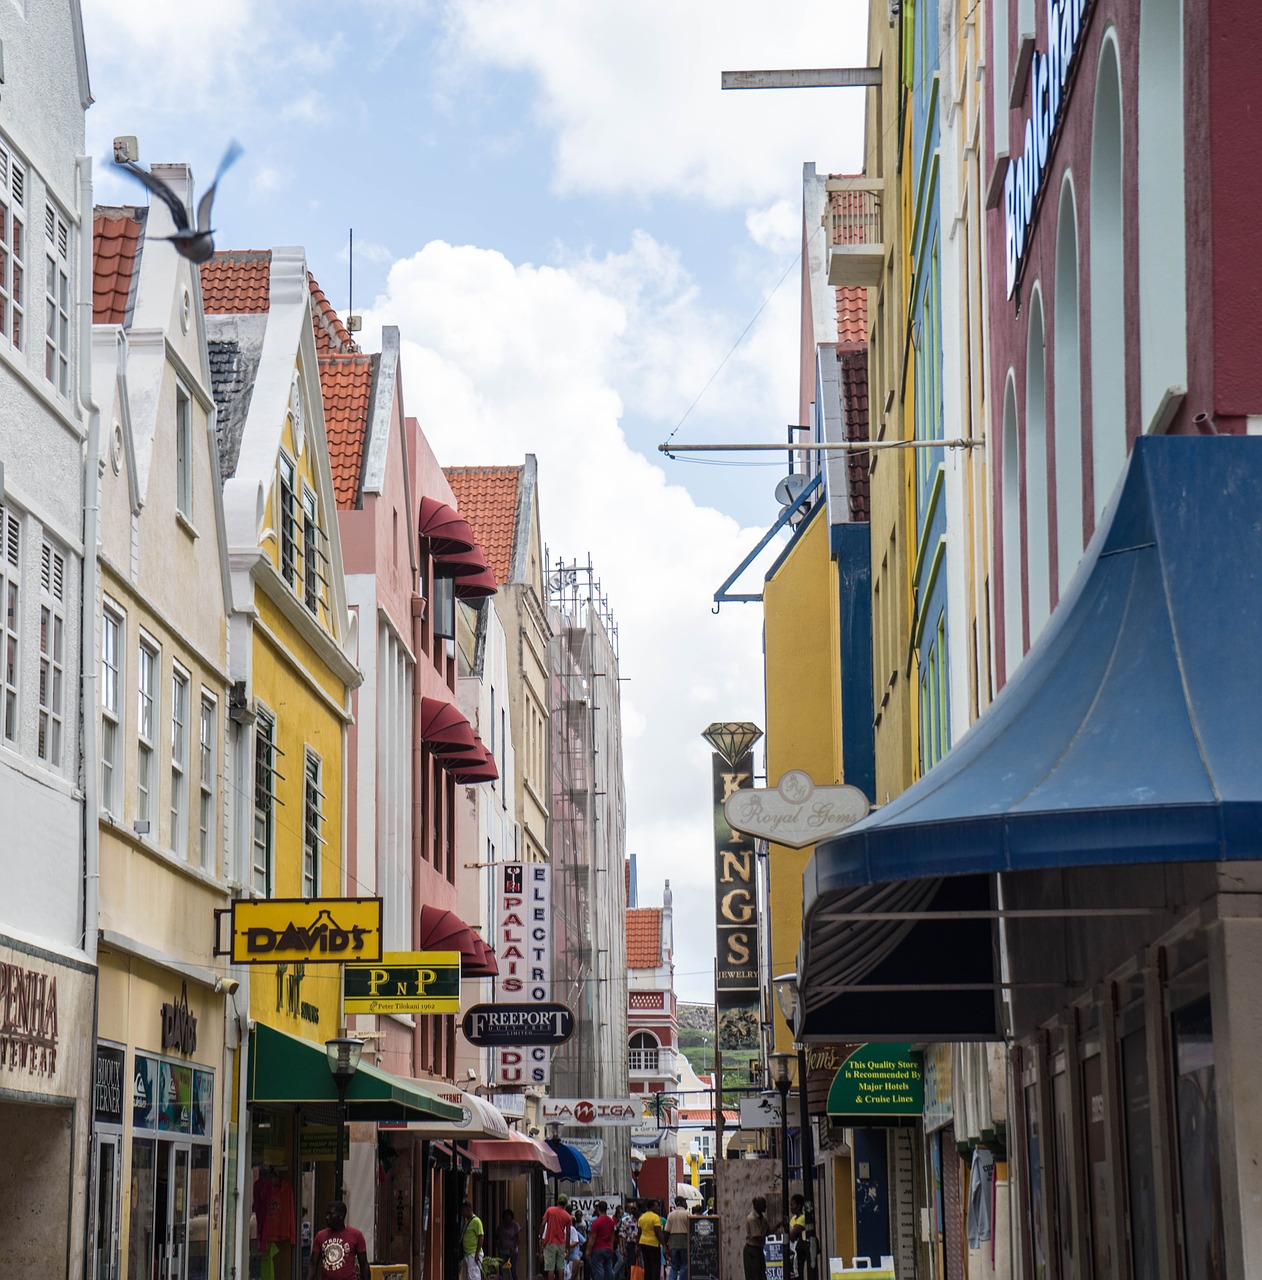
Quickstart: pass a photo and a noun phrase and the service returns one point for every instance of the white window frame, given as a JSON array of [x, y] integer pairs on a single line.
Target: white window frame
[[113, 681], [58, 331], [52, 656], [183, 451], [312, 576], [263, 835], [641, 1058], [13, 248], [181, 686], [207, 769], [148, 716], [288, 530], [313, 841], [10, 624]]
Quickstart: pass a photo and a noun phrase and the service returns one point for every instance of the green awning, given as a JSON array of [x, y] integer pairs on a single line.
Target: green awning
[[288, 1069]]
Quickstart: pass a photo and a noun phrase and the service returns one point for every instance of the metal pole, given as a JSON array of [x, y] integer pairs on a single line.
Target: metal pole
[[783, 1087], [839, 446], [341, 1141], [808, 1166]]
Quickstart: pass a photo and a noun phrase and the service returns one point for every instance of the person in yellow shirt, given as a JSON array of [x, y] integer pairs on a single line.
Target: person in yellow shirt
[[650, 1241]]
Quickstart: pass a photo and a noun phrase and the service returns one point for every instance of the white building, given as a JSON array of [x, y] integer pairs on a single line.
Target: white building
[[46, 963]]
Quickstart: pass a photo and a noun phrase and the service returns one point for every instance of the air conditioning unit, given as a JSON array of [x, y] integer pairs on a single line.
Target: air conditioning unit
[[239, 709]]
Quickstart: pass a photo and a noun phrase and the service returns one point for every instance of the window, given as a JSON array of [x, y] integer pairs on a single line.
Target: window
[[287, 519], [146, 721], [52, 656], [206, 755], [57, 302], [312, 826], [311, 572], [183, 453], [10, 566], [644, 1052], [265, 775], [111, 702], [12, 251], [179, 763]]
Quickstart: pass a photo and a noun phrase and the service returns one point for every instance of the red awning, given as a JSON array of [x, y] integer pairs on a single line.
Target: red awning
[[461, 564], [517, 1149], [446, 730], [442, 930], [447, 530], [490, 965], [468, 769], [477, 586]]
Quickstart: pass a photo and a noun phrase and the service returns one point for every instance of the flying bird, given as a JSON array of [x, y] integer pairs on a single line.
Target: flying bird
[[194, 243]]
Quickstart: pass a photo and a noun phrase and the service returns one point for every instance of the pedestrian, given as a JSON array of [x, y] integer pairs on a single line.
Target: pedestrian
[[650, 1242], [554, 1236], [677, 1240], [472, 1243], [338, 1252], [757, 1229], [628, 1234], [576, 1239], [600, 1237], [507, 1242], [797, 1234]]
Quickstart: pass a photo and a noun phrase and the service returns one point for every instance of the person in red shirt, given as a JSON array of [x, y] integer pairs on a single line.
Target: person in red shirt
[[338, 1252], [600, 1243], [554, 1237]]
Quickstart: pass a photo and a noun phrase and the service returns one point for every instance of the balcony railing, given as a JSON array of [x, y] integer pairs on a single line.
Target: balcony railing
[[857, 252]]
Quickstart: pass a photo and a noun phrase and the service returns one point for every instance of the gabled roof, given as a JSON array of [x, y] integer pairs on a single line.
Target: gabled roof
[[331, 336], [644, 937], [487, 498], [118, 234], [237, 283], [346, 388]]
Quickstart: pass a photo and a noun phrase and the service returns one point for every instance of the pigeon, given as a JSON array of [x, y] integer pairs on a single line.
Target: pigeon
[[194, 243]]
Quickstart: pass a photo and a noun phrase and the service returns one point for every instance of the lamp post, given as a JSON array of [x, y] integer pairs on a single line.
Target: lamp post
[[782, 1070], [788, 998], [343, 1053]]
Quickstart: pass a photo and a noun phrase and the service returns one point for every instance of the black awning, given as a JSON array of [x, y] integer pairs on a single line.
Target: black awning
[[1127, 736]]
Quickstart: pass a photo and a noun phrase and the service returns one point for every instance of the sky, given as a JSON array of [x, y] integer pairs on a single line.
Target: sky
[[588, 248]]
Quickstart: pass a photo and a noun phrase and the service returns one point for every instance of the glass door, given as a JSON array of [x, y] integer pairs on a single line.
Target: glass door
[[106, 1191], [171, 1210]]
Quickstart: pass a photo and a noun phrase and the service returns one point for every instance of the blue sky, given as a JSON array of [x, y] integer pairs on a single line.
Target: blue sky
[[571, 224]]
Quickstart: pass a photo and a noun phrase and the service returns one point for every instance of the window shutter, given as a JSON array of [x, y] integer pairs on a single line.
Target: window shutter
[[52, 573]]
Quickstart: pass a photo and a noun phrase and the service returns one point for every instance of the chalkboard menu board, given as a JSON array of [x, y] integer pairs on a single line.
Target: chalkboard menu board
[[704, 1240]]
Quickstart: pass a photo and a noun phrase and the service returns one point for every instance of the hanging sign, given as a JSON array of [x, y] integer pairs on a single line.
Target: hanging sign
[[108, 1084], [523, 892], [585, 1111], [317, 931], [501, 1025], [878, 1080], [795, 812], [404, 982]]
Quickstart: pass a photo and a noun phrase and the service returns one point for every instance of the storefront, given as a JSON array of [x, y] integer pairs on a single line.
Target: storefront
[[157, 1173], [45, 1064], [1100, 829]]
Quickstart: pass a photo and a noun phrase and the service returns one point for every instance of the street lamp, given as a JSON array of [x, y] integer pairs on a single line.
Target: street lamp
[[782, 1074], [789, 998], [343, 1053]]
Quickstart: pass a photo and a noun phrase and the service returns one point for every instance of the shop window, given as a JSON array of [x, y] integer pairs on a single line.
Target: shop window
[[1139, 1155], [1196, 1106]]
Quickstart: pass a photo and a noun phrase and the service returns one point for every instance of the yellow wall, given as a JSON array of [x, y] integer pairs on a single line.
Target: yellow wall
[[802, 642]]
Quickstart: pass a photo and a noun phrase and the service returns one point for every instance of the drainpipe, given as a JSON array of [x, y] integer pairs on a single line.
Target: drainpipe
[[88, 665]]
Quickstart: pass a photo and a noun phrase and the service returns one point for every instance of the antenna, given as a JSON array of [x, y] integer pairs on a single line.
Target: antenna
[[354, 323]]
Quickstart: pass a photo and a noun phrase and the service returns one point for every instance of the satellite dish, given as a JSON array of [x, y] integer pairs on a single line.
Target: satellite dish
[[789, 490]]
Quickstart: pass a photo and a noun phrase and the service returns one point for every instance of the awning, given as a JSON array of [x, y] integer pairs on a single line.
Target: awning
[[469, 770], [477, 586], [448, 532], [1123, 738], [478, 1119], [288, 1069], [574, 1166], [438, 929], [462, 564], [517, 1148], [446, 729]]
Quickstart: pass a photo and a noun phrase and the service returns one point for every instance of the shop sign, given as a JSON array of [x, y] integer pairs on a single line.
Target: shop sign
[[511, 1025], [585, 1111], [144, 1093], [320, 1143], [736, 893], [1050, 74], [762, 1111], [107, 1084], [523, 922], [404, 982], [179, 1024], [28, 1020], [877, 1081], [823, 1061], [323, 931], [795, 812]]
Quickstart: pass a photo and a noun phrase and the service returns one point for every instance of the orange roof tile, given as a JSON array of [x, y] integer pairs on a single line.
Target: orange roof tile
[[487, 498], [117, 233], [331, 336], [854, 389], [852, 317], [237, 282], [346, 388], [644, 937]]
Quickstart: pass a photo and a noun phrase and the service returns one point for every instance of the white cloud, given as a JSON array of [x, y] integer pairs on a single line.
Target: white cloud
[[632, 91], [501, 360], [777, 227]]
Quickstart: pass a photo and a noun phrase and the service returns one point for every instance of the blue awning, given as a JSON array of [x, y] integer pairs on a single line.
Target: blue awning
[[574, 1165], [1128, 735]]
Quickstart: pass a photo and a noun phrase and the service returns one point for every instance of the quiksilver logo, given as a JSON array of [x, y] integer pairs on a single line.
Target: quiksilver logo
[[323, 935]]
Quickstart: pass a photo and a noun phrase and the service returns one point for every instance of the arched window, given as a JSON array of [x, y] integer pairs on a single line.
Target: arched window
[[1162, 215], [1037, 540], [644, 1050], [1108, 312], [1067, 397], [1010, 504]]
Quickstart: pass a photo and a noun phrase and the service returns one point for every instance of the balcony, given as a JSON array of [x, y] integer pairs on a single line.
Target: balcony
[[857, 253]]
